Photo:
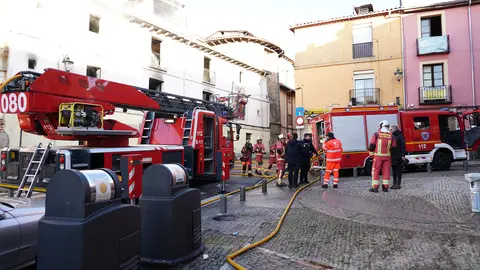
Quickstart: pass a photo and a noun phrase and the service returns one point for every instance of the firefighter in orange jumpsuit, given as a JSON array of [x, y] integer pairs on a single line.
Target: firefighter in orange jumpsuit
[[280, 151], [259, 150], [272, 159], [381, 144], [247, 152], [334, 150]]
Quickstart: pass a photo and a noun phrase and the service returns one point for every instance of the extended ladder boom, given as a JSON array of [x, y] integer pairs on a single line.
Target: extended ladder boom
[[71, 87]]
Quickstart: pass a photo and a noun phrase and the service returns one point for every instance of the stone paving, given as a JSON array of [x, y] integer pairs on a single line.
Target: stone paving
[[428, 224]]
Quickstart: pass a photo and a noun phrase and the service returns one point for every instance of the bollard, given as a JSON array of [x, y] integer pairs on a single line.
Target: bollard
[[242, 193], [264, 186], [355, 172], [223, 204], [10, 193], [465, 165], [429, 167]]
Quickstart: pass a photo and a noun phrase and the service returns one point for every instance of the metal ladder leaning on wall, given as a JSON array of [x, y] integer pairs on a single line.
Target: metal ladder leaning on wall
[[34, 167]]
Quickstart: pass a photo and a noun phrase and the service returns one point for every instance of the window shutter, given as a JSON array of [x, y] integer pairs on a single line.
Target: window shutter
[[362, 33]]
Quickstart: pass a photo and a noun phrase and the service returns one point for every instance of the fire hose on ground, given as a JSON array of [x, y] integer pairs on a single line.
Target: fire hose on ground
[[237, 253]]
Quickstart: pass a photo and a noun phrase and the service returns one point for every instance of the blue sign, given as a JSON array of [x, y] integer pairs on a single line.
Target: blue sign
[[300, 111]]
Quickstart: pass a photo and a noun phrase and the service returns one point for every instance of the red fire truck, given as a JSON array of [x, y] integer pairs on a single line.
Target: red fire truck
[[66, 106], [435, 136]]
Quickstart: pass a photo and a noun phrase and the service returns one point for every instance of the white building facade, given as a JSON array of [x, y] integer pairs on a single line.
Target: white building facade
[[131, 46]]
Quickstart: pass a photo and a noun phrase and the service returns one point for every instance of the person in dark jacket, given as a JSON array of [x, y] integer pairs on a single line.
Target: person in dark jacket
[[306, 152], [293, 158], [398, 156]]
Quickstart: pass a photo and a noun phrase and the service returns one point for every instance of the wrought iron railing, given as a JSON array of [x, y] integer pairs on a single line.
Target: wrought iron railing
[[362, 50], [365, 96], [435, 94]]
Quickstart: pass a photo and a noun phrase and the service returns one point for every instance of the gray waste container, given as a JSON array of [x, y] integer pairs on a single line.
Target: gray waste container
[[171, 216], [474, 179], [85, 224]]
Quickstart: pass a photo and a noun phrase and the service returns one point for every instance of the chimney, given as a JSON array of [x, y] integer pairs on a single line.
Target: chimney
[[364, 9]]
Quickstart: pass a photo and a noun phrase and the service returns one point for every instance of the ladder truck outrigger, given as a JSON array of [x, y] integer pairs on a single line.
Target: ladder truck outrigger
[[61, 105]]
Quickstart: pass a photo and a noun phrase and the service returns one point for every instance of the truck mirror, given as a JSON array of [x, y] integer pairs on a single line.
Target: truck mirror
[[238, 128], [238, 137]]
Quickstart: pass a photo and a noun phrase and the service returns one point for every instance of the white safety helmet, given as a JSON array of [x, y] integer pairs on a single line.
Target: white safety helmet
[[259, 139], [383, 123], [281, 136]]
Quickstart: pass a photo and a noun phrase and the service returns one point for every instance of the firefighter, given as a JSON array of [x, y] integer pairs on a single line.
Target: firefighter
[[272, 159], [289, 137], [334, 150], [380, 147], [280, 158], [247, 152], [259, 150], [306, 151]]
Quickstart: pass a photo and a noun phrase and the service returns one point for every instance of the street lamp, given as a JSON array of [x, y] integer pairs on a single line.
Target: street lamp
[[398, 74], [67, 63]]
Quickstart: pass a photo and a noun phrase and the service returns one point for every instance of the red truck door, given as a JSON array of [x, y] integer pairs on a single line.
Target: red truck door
[[421, 130]]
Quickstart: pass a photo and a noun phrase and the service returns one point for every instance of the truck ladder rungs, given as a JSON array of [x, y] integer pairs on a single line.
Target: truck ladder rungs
[[38, 158]]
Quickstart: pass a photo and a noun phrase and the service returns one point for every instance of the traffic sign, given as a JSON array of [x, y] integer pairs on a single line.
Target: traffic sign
[[300, 111], [300, 121]]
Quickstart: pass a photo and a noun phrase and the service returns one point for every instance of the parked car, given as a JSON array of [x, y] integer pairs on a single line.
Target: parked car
[[19, 230]]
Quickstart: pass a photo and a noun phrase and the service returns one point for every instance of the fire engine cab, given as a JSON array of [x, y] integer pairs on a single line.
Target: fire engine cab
[[432, 136], [66, 106]]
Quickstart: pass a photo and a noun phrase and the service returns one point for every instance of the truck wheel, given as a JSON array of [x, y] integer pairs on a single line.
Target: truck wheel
[[442, 161]]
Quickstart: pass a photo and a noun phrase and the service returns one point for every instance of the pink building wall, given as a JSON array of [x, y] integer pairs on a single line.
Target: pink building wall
[[459, 64]]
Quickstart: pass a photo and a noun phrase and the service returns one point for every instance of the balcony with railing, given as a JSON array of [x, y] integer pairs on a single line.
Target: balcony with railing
[[362, 50], [433, 45], [209, 76], [435, 95], [365, 96], [157, 62]]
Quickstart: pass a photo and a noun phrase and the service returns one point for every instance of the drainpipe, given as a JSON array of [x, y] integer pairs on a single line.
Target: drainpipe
[[403, 60], [472, 63]]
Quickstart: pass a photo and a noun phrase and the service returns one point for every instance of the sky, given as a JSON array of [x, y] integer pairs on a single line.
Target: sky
[[268, 19]]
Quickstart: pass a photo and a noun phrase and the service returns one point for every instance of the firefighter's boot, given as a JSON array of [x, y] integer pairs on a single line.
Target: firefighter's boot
[[250, 174], [335, 186], [325, 186], [373, 190], [384, 188]]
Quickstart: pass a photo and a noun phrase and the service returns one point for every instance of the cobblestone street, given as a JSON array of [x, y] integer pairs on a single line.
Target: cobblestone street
[[428, 224]]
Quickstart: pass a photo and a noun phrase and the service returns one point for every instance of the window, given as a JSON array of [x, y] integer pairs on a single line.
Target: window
[[32, 63], [94, 24], [433, 75], [94, 72], [206, 69], [207, 95], [248, 136], [364, 92], [155, 47], [154, 84], [432, 26], [421, 123], [362, 40]]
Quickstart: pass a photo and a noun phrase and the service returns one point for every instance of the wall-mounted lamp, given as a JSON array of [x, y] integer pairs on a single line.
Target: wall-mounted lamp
[[67, 63], [398, 74]]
